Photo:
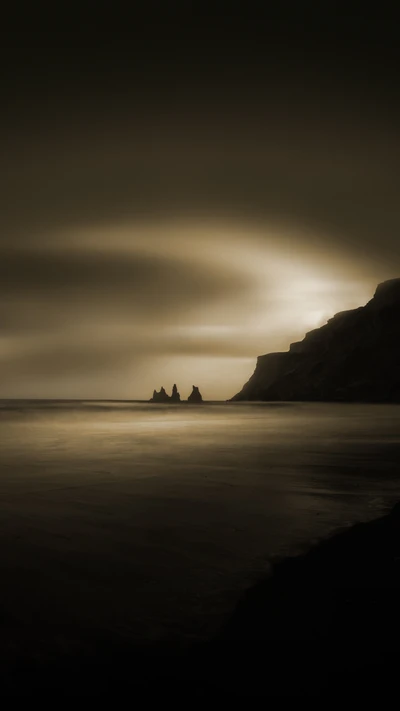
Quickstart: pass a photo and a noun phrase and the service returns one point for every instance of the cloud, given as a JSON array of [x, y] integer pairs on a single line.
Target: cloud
[[83, 321], [39, 289], [312, 161], [85, 309]]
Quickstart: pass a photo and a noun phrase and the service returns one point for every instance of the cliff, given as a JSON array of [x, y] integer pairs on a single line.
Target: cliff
[[354, 357]]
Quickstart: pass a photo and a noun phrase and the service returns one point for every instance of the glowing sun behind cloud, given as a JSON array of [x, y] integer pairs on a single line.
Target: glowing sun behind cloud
[[164, 302], [316, 318]]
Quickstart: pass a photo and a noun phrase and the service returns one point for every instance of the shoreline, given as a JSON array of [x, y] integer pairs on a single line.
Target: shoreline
[[329, 618], [322, 622]]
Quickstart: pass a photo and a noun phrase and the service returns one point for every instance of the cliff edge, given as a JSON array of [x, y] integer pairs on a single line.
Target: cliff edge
[[354, 357]]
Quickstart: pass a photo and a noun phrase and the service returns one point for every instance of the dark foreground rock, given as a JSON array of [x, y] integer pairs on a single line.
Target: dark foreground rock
[[354, 357], [325, 624]]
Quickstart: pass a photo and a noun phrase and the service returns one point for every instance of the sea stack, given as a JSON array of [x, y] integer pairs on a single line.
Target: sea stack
[[195, 396], [160, 396], [175, 397]]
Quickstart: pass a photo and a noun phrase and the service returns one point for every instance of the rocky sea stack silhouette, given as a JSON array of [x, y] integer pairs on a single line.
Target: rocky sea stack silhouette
[[354, 357], [175, 397], [161, 396], [195, 395]]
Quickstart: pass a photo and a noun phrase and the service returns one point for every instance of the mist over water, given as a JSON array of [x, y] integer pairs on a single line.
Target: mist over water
[[129, 519]]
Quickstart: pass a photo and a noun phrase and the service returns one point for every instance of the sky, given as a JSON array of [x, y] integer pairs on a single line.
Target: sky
[[186, 189]]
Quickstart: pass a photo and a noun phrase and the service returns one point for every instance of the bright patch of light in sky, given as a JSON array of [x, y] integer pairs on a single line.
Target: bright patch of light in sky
[[211, 297]]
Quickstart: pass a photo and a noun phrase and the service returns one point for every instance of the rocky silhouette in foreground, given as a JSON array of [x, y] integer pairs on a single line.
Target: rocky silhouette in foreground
[[162, 396], [355, 357]]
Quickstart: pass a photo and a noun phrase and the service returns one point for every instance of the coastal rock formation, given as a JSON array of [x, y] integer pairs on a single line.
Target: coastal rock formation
[[195, 395], [355, 357], [160, 396], [175, 397]]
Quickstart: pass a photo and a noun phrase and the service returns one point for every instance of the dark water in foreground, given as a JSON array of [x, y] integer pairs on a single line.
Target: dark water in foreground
[[129, 520]]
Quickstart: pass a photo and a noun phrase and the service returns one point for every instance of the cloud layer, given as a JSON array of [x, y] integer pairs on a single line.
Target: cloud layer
[[165, 222]]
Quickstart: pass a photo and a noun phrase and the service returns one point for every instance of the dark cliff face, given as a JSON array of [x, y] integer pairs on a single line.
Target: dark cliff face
[[354, 357]]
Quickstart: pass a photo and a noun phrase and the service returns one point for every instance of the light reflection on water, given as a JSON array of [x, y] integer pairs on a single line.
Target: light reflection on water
[[156, 517]]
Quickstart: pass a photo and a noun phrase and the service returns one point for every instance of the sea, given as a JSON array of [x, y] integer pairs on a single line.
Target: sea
[[145, 522]]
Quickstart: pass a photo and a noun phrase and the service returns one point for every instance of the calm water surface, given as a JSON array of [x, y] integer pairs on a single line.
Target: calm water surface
[[145, 521]]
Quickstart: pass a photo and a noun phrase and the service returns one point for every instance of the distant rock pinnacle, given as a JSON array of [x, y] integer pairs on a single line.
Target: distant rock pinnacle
[[195, 395], [175, 397], [162, 397]]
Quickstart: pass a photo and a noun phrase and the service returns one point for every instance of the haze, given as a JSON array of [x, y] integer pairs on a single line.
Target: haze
[[163, 223]]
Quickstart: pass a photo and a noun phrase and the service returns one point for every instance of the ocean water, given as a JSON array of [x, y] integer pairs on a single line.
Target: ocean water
[[135, 521]]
